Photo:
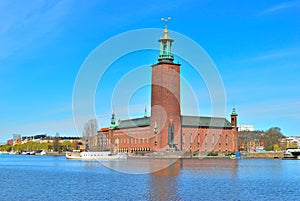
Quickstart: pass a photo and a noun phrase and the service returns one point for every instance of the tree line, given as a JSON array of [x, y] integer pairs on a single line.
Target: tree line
[[270, 139], [48, 146]]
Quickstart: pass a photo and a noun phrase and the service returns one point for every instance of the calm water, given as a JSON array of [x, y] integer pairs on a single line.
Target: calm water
[[55, 178]]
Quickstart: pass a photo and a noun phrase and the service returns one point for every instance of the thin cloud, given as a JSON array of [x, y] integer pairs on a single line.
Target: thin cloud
[[21, 27], [272, 108], [275, 54], [281, 6]]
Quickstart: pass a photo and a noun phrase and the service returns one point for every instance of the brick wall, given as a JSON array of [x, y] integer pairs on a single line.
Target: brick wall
[[165, 102]]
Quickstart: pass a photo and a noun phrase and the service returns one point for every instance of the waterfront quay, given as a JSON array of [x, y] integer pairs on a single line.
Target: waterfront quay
[[186, 155], [211, 155]]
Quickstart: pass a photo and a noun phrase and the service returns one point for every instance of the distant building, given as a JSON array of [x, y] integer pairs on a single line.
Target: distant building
[[251, 141], [245, 127], [167, 128], [10, 142], [16, 139], [291, 142]]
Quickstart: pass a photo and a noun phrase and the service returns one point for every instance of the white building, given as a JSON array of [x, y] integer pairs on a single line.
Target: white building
[[293, 139], [245, 127]]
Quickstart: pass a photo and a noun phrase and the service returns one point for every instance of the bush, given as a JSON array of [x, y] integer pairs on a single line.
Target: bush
[[212, 154], [230, 154]]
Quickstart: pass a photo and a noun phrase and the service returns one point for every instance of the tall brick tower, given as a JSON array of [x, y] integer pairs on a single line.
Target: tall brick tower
[[237, 141], [165, 97]]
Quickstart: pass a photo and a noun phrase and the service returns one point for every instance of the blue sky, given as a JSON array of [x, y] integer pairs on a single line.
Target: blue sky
[[255, 45]]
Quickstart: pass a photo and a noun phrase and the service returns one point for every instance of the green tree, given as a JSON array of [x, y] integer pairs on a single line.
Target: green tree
[[66, 145], [6, 148]]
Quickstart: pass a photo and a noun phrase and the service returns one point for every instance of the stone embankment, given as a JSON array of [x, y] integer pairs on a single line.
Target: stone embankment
[[263, 155]]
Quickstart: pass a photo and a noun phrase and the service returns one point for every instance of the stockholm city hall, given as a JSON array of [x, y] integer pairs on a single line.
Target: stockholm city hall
[[167, 129]]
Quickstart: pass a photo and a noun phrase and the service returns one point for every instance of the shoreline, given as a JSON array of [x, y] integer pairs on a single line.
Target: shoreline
[[180, 155]]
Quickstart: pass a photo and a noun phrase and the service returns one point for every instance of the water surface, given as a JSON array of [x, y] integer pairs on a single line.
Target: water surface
[[55, 178]]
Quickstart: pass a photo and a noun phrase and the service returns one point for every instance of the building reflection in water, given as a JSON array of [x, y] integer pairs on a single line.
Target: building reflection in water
[[164, 184], [212, 167]]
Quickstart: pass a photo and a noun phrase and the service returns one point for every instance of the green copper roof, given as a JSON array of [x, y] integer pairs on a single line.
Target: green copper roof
[[165, 52], [131, 123], [186, 121], [196, 121], [113, 122], [233, 112]]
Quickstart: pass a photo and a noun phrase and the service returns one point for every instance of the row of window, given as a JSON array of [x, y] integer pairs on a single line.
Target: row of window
[[205, 139], [133, 140]]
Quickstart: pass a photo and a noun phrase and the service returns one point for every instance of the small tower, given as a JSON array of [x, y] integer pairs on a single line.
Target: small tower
[[234, 118], [113, 122], [236, 137]]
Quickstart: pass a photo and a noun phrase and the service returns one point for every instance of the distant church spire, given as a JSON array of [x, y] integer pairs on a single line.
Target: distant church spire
[[113, 121], [165, 52], [145, 114]]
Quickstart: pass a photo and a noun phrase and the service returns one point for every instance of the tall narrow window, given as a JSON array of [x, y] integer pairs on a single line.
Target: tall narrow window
[[226, 139], [183, 140], [205, 142]]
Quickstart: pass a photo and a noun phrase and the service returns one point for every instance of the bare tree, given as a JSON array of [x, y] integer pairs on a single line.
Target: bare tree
[[90, 135], [56, 144]]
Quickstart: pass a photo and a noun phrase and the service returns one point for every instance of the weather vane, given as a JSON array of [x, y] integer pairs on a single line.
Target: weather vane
[[166, 20]]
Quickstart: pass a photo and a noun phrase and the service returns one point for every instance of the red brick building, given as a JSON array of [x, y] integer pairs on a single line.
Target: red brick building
[[167, 129]]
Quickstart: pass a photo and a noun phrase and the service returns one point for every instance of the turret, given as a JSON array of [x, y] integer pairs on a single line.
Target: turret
[[113, 122], [234, 118]]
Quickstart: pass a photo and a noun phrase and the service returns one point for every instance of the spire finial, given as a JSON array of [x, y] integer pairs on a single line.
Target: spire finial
[[166, 20], [166, 26]]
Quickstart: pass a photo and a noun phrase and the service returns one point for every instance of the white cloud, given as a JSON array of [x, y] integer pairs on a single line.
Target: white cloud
[[281, 6]]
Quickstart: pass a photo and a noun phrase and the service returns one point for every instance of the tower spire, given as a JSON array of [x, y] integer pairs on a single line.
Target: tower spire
[[234, 118], [165, 53], [166, 26], [113, 121], [145, 114]]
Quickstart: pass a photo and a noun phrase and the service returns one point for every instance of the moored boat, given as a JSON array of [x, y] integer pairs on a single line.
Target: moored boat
[[292, 153], [102, 155]]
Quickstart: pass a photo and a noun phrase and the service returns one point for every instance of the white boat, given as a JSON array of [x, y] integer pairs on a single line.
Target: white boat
[[291, 153], [103, 155]]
